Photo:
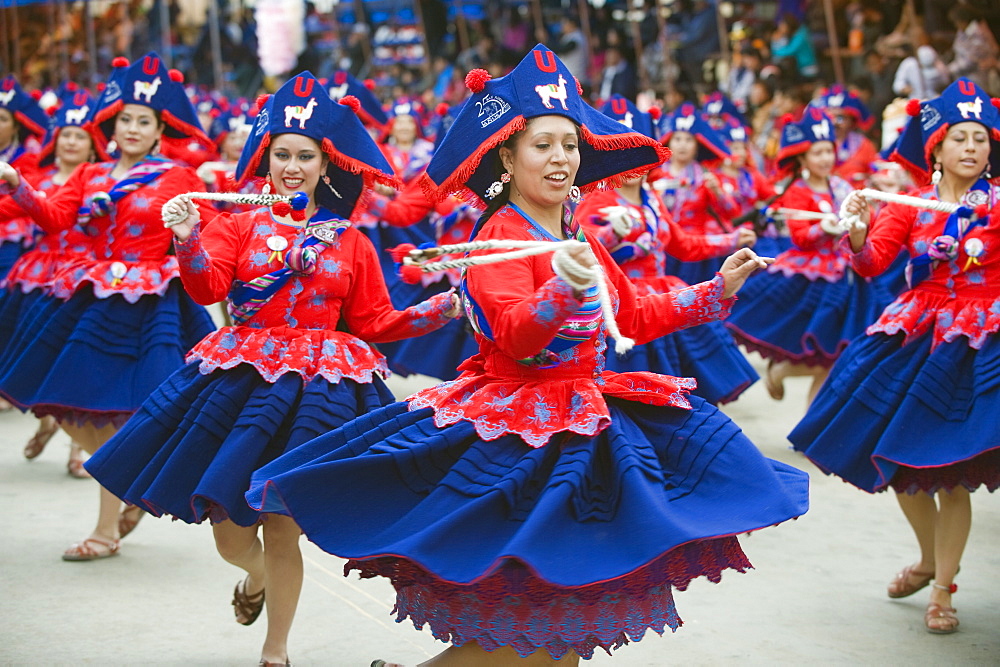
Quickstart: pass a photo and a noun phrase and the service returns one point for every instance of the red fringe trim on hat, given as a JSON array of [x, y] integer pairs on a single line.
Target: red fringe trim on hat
[[47, 153], [29, 124], [254, 163], [618, 142], [789, 152], [190, 130], [455, 183], [369, 121], [102, 116]]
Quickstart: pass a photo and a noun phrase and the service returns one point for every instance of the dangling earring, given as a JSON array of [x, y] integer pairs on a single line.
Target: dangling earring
[[326, 179], [986, 174], [805, 174], [496, 187], [266, 190], [936, 176], [574, 194]]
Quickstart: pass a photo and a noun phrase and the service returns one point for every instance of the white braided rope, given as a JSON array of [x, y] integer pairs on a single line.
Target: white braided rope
[[593, 275], [799, 214], [849, 221], [170, 218]]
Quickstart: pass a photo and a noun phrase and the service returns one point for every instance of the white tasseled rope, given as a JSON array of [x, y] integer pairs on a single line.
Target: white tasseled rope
[[848, 221], [799, 214], [170, 219], [594, 275]]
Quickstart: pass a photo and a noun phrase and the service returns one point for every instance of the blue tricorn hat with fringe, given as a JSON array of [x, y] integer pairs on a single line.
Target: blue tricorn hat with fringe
[[622, 109], [687, 118], [467, 158], [718, 105], [342, 84], [838, 98], [302, 106], [25, 109], [149, 83], [797, 137], [961, 102], [76, 107]]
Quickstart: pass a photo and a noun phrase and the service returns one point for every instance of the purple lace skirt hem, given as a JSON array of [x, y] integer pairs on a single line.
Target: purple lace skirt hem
[[983, 470]]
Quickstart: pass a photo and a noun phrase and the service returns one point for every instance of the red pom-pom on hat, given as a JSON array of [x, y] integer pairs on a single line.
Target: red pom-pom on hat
[[339, 77], [995, 101], [579, 86], [400, 252], [786, 119], [120, 61], [262, 100], [476, 80], [214, 113], [176, 75], [410, 274], [655, 113], [442, 109], [36, 95], [51, 109], [101, 86], [72, 86], [351, 101], [370, 84], [913, 107]]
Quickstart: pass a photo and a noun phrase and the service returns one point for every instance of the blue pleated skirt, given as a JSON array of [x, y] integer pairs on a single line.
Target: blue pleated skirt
[[805, 321], [90, 359], [568, 546], [907, 416], [705, 352], [436, 354], [772, 246], [190, 449], [12, 303], [10, 252]]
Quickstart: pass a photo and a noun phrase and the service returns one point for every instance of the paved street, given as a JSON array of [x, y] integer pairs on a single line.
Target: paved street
[[816, 597]]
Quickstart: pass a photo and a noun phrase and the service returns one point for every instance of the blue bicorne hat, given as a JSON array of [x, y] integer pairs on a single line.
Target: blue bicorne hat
[[838, 98], [342, 84], [961, 102], [302, 106], [443, 120], [797, 137], [541, 85], [687, 118], [405, 107], [625, 112], [149, 83], [718, 106], [25, 109], [237, 115], [732, 131], [76, 107]]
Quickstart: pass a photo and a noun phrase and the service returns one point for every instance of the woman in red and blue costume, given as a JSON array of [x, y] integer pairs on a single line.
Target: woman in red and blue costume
[[21, 119], [307, 299], [69, 143], [117, 321], [691, 190], [540, 506], [634, 226], [911, 405], [802, 313]]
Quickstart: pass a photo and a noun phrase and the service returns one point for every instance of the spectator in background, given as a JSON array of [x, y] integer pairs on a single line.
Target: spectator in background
[[791, 40], [617, 77], [922, 76], [479, 55], [877, 77], [975, 47], [742, 75], [572, 48], [699, 41]]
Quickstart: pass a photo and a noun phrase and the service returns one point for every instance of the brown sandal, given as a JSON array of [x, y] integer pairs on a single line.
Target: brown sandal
[[247, 606], [936, 612], [47, 428], [901, 586], [128, 520]]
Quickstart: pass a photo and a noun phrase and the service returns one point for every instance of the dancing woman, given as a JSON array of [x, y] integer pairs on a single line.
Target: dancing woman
[[539, 507], [912, 403], [124, 322], [307, 298]]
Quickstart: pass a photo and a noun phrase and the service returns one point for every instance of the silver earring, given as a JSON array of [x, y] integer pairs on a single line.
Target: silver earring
[[805, 174], [987, 175], [936, 176], [574, 194], [326, 179], [496, 187], [266, 188]]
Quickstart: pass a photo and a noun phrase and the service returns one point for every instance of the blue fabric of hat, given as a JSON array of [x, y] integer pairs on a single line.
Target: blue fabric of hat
[[961, 102], [467, 159], [76, 107], [797, 137], [227, 120], [838, 98], [687, 118], [343, 84], [149, 83], [733, 131], [718, 105], [26, 111], [412, 108], [302, 106], [443, 122], [620, 108]]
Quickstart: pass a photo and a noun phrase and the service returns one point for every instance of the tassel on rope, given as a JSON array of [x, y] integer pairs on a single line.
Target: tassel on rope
[[296, 204], [415, 263]]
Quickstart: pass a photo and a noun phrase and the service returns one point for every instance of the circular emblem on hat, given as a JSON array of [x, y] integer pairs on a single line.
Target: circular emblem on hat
[[974, 247], [277, 243]]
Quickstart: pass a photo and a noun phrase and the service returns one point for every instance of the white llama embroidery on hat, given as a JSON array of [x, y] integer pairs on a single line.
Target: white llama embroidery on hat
[[821, 130], [551, 91], [337, 92], [971, 108], [684, 123], [835, 100], [5, 98], [627, 120], [146, 89], [302, 114], [77, 116]]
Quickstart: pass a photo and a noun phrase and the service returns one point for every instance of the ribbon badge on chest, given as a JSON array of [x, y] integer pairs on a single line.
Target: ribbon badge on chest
[[276, 244]]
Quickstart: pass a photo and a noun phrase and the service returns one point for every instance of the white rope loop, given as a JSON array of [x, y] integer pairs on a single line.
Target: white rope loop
[[849, 221], [171, 218], [520, 249]]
